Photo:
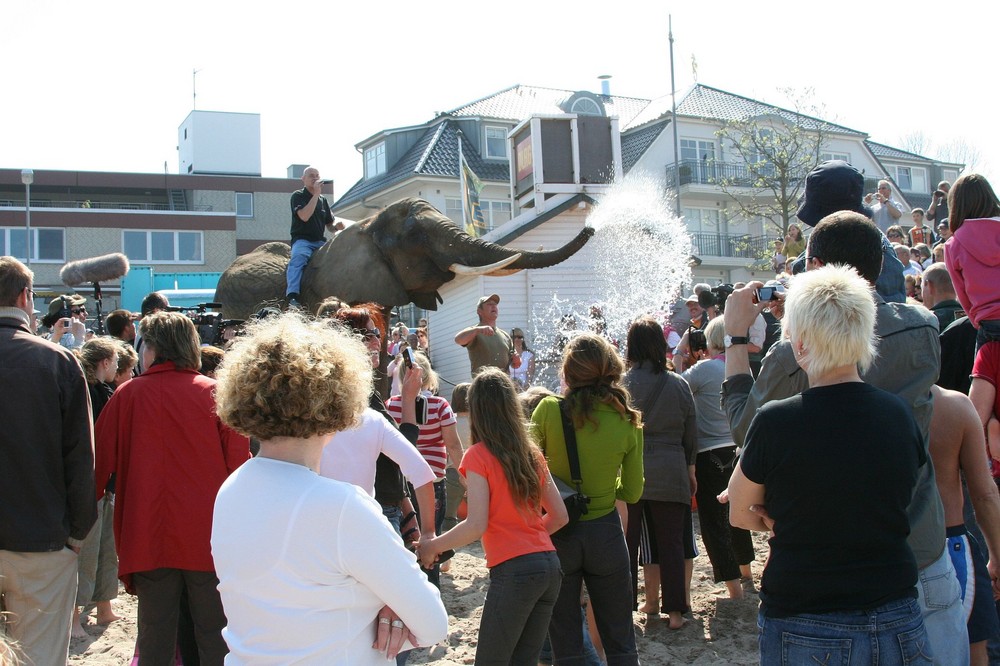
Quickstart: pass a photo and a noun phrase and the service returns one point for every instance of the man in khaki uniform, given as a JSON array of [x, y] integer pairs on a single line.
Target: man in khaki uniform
[[488, 345]]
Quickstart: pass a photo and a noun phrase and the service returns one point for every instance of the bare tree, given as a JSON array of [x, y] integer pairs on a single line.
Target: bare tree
[[961, 151], [915, 142], [776, 149]]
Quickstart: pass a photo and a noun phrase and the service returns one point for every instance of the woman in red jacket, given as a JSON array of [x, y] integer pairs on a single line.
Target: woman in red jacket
[[160, 436]]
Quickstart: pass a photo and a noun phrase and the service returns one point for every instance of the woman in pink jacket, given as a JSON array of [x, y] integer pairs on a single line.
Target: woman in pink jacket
[[972, 254]]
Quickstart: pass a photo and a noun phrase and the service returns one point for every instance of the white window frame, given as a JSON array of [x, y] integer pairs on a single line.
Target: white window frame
[[951, 175], [375, 160], [914, 171], [719, 222], [149, 246], [489, 154], [490, 207], [585, 106], [453, 209], [245, 196], [844, 157], [5, 233]]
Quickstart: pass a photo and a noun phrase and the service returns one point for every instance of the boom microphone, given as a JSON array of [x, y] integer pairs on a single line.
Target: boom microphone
[[95, 269]]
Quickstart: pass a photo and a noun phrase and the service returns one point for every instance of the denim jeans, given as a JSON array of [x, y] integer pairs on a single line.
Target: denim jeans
[[519, 603], [891, 635], [593, 551], [940, 600], [989, 331], [302, 251]]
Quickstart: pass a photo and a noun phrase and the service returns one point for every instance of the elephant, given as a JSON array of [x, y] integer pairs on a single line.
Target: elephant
[[400, 255]]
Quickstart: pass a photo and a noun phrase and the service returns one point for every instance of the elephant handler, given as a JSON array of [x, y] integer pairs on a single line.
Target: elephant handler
[[310, 216], [488, 345]]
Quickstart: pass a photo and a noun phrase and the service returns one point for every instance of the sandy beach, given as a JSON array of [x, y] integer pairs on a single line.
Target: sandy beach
[[720, 631]]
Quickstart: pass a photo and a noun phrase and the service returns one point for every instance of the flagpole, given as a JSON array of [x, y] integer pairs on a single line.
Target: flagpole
[[462, 194], [673, 120]]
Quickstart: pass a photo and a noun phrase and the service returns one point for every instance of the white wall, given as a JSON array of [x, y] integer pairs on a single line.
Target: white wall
[[219, 143]]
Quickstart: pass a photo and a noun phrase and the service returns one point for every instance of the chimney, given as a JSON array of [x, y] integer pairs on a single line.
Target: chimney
[[605, 84]]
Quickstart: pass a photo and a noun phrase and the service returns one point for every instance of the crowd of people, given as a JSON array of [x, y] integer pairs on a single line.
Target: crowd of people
[[267, 505]]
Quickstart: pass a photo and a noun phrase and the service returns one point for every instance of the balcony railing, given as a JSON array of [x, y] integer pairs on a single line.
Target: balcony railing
[[713, 172], [104, 205], [740, 246]]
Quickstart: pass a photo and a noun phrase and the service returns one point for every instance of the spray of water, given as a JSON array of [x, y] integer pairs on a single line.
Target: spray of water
[[640, 253]]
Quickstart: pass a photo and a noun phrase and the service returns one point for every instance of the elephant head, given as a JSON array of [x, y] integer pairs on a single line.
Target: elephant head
[[407, 251], [401, 255]]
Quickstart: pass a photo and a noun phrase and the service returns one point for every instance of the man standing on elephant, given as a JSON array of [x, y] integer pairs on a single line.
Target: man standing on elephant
[[310, 216], [488, 345]]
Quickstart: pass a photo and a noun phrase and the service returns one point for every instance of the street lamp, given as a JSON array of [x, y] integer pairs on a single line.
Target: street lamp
[[27, 177]]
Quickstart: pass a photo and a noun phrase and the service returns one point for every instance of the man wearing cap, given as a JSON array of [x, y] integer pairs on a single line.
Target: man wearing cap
[[67, 317], [488, 346], [47, 502], [834, 186]]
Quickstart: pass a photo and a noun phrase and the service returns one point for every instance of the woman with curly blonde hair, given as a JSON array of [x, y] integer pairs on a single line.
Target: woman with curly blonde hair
[[609, 444], [327, 576], [509, 487]]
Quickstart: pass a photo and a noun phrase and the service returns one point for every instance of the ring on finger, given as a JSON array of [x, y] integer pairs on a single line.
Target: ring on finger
[[397, 624], [383, 620]]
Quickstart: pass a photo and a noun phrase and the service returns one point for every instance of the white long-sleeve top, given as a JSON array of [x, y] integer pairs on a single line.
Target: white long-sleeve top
[[350, 455], [304, 565]]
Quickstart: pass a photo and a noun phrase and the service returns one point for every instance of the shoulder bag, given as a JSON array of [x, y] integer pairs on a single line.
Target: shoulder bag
[[573, 496]]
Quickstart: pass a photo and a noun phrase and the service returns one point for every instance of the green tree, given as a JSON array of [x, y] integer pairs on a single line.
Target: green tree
[[774, 150]]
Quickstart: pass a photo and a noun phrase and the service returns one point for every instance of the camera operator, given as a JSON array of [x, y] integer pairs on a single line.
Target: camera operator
[[938, 210], [887, 211], [67, 317]]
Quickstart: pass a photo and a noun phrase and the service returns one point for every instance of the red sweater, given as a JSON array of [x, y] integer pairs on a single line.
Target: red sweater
[[160, 435]]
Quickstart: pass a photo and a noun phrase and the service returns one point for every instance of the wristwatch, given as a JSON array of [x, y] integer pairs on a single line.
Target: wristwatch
[[731, 340]]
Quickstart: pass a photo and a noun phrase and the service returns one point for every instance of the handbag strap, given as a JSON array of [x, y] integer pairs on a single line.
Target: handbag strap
[[569, 433], [651, 400]]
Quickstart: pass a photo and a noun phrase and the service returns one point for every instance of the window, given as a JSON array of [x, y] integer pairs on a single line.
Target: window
[[47, 245], [163, 247], [375, 160], [702, 220], [698, 157], [496, 142], [951, 175], [244, 204], [495, 213], [586, 107], [453, 210], [845, 157], [910, 179]]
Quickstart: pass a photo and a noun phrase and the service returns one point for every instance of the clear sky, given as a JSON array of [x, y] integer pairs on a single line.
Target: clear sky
[[104, 85]]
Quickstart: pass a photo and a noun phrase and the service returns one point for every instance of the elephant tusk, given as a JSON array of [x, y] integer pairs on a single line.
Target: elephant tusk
[[462, 269]]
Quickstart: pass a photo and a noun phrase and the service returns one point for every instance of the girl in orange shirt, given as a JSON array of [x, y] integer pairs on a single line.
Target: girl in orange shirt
[[509, 486]]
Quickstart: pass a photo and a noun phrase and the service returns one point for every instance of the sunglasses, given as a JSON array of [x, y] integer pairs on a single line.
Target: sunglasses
[[369, 333], [77, 311]]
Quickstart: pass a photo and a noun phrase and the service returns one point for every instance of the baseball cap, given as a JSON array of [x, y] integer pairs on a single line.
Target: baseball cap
[[486, 299], [832, 186], [71, 300]]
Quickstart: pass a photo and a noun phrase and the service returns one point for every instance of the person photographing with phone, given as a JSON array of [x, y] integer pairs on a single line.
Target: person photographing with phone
[[310, 216], [438, 441]]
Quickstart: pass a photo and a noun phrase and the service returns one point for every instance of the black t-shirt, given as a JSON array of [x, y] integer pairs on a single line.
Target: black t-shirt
[[838, 464], [390, 486], [311, 229], [958, 352]]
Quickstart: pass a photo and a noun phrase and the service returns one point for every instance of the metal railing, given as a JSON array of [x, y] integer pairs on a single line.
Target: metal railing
[[104, 205], [714, 172], [742, 246]]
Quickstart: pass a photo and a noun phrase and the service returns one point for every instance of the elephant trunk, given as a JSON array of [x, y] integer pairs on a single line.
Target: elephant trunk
[[476, 257]]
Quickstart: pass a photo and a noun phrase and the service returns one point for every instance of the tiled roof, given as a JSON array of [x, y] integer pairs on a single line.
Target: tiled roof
[[706, 102], [634, 144], [519, 102], [882, 150], [435, 154]]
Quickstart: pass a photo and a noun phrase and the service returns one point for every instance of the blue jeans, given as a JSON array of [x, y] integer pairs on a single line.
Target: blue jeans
[[302, 251], [940, 600], [519, 603], [594, 552], [891, 635]]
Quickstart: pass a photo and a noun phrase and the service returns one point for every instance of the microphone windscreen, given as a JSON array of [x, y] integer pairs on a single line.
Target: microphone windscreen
[[95, 269]]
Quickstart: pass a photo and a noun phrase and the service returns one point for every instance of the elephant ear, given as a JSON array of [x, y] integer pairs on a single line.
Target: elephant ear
[[353, 269]]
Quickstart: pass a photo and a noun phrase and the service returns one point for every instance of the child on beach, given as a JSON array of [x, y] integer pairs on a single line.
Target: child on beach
[[509, 486], [972, 256]]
